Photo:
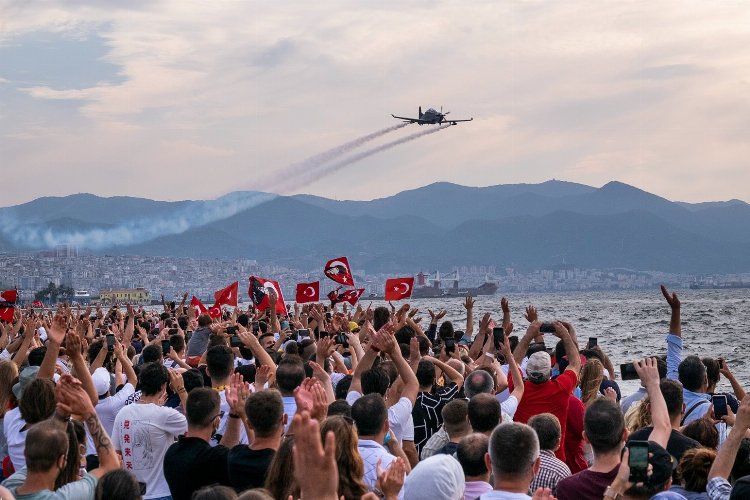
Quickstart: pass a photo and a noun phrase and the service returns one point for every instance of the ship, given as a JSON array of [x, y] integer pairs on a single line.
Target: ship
[[429, 287]]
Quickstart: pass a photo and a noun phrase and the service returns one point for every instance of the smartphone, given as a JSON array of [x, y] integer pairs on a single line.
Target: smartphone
[[303, 333], [720, 405], [547, 327], [342, 340], [256, 326], [235, 341], [232, 330], [592, 342], [110, 342], [173, 331], [450, 345], [165, 347], [638, 461], [97, 332], [328, 316], [498, 335], [627, 371]]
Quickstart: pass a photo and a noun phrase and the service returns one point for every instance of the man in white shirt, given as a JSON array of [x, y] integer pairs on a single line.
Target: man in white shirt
[[144, 431], [371, 418]]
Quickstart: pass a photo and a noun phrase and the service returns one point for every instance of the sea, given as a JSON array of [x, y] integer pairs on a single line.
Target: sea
[[628, 324]]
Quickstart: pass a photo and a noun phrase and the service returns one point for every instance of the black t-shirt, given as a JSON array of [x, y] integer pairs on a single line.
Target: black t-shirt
[[677, 445], [247, 468], [191, 463]]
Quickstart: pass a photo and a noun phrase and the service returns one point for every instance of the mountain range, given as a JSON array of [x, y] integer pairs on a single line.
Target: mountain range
[[525, 226]]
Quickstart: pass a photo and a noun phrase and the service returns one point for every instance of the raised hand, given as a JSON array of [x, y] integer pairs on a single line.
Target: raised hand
[[391, 480], [647, 371], [57, 329], [262, 374], [314, 465], [484, 323], [469, 303], [72, 398], [531, 314], [672, 299], [504, 305]]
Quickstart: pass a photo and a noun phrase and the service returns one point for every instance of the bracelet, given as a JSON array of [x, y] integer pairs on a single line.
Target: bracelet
[[234, 415], [180, 389]]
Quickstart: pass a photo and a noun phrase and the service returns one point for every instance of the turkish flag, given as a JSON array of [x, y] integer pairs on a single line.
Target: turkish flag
[[215, 311], [37, 303], [227, 296], [308, 292], [351, 296], [7, 302], [398, 288], [10, 296], [339, 271], [197, 304], [258, 292]]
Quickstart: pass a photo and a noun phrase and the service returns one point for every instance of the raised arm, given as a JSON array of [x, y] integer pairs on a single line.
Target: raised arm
[[469, 306], [251, 342], [649, 375], [675, 328], [674, 339], [484, 329], [571, 349], [72, 399], [739, 391], [514, 370], [127, 365], [409, 379], [55, 337], [73, 348], [452, 373], [523, 344]]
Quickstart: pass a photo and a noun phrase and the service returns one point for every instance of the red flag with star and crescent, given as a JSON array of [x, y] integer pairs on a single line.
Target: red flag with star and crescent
[[351, 296], [258, 292], [308, 292], [339, 271], [227, 296], [196, 303], [8, 300], [215, 311], [398, 288]]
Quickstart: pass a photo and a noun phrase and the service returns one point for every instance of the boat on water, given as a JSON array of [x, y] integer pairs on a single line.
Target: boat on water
[[430, 287]]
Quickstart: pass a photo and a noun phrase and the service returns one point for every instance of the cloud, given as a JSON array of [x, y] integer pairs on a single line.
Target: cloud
[[206, 97]]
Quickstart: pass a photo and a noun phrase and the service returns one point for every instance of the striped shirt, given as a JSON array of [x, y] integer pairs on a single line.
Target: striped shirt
[[427, 414], [551, 471]]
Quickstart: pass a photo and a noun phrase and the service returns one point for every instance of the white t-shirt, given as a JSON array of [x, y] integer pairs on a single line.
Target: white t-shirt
[[107, 409], [224, 406], [399, 417], [142, 433], [16, 438]]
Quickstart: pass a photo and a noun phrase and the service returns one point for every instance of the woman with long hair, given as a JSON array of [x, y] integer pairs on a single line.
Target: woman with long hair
[[8, 377], [348, 460], [592, 375], [280, 481]]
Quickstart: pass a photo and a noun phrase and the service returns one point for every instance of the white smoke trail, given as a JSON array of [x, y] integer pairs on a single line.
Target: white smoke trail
[[312, 175], [278, 180], [196, 214]]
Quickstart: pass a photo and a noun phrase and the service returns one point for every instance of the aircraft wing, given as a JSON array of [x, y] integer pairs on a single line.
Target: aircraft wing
[[412, 120], [456, 121]]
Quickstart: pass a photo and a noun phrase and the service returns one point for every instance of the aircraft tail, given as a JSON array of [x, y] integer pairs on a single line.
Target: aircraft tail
[[420, 112]]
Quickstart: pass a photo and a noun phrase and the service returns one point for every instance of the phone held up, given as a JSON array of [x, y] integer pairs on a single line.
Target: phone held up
[[110, 342], [498, 335], [638, 461], [547, 327], [720, 405], [628, 372]]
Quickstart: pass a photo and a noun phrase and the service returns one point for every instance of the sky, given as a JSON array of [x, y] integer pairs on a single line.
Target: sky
[[191, 100]]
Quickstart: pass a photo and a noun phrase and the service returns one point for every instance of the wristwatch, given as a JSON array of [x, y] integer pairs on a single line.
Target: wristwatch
[[610, 493]]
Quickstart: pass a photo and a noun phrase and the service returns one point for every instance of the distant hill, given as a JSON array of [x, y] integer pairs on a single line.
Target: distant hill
[[527, 226]]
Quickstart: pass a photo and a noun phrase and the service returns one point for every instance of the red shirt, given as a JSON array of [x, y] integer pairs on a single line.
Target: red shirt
[[552, 397], [573, 443]]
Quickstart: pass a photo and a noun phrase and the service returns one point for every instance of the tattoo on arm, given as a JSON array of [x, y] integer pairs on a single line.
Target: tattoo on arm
[[101, 440]]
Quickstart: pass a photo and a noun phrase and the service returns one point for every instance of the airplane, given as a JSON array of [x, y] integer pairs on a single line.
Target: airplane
[[431, 117]]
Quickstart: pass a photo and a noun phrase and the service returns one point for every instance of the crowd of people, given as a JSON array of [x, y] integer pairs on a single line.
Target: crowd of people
[[329, 402]]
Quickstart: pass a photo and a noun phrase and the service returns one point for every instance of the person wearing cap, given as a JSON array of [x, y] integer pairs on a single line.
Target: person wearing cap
[[541, 393], [437, 477]]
